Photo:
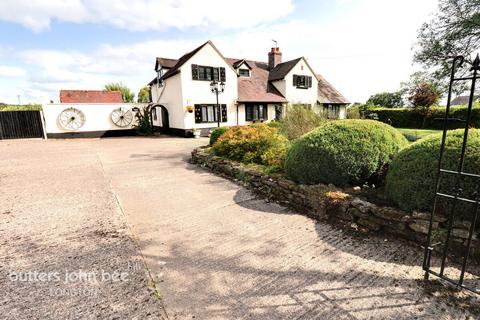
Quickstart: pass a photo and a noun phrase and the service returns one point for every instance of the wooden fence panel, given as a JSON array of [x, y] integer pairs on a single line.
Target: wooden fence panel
[[20, 124]]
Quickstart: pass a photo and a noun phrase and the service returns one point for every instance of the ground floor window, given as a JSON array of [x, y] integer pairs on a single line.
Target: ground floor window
[[205, 113], [332, 110], [256, 112]]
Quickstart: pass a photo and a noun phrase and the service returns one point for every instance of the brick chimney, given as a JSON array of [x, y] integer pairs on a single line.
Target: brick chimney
[[274, 57]]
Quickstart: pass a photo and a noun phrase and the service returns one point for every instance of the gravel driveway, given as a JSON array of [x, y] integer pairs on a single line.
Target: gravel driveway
[[213, 250]]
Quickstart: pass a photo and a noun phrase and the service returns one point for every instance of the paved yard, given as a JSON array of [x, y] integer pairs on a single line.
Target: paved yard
[[213, 250]]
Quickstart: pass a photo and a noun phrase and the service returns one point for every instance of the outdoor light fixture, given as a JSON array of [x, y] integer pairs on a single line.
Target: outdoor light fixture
[[217, 88]]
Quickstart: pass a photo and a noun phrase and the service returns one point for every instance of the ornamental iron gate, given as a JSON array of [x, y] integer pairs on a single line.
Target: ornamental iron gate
[[453, 200]]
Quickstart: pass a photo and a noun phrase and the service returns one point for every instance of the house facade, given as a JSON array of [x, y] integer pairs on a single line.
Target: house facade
[[253, 91]]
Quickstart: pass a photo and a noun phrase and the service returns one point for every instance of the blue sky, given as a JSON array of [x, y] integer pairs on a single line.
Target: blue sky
[[361, 46]]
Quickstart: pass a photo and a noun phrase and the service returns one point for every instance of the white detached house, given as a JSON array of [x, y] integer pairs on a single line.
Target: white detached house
[[253, 91]]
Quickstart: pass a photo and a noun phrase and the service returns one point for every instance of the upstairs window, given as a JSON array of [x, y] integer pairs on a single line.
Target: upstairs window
[[244, 72], [159, 77], [256, 112], [206, 73], [302, 82]]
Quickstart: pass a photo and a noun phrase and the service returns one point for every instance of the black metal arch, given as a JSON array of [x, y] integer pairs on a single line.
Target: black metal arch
[[457, 195]]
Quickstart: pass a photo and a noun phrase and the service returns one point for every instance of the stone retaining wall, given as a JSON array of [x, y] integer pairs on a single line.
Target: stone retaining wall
[[326, 202]]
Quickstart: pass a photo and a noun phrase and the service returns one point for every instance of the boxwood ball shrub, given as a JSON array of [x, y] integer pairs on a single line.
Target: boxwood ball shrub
[[343, 152], [412, 174], [216, 133], [260, 144]]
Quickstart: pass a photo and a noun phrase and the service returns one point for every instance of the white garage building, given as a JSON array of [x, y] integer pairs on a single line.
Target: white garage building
[[90, 113]]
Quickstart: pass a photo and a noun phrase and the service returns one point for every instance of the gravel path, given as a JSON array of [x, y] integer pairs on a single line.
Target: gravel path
[[60, 218], [214, 250]]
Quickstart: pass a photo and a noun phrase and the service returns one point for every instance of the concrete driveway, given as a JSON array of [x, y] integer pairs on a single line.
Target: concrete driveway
[[213, 249]]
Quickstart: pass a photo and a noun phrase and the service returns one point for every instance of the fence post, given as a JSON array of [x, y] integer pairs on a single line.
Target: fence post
[[44, 127]]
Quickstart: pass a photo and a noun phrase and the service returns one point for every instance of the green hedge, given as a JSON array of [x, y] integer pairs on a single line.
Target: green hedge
[[22, 107], [413, 118], [216, 133], [343, 152], [412, 174]]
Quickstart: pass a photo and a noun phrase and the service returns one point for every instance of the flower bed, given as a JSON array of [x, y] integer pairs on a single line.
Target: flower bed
[[326, 202]]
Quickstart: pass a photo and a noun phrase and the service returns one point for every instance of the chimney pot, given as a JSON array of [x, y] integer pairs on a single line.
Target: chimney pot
[[274, 57]]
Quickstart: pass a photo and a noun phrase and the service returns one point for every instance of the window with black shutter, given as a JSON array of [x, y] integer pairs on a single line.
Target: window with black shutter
[[207, 73], [222, 74], [302, 82], [224, 113], [194, 72], [205, 113], [256, 112]]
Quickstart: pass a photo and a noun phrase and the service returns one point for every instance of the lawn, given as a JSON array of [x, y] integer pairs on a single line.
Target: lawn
[[416, 134], [24, 107]]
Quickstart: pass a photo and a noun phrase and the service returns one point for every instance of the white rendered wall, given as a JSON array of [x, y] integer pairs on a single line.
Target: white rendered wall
[[198, 91], [170, 96], [292, 93], [97, 116]]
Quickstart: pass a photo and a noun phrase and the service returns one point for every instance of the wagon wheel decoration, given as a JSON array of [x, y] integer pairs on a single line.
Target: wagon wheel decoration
[[122, 117], [71, 119]]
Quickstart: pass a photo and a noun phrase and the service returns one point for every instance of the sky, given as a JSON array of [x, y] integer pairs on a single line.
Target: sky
[[361, 46]]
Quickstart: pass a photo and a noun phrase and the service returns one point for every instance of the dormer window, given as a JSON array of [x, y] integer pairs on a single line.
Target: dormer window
[[244, 72], [159, 76]]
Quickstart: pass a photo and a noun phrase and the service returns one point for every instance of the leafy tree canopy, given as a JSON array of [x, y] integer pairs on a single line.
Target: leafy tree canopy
[[387, 99], [143, 95], [455, 30], [127, 94]]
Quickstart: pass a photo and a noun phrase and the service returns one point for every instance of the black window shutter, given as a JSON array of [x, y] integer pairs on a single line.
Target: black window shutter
[[198, 113], [309, 82], [222, 74], [224, 113], [265, 112], [194, 72], [295, 80]]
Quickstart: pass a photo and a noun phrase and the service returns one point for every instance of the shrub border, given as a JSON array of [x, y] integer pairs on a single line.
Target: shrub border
[[328, 203]]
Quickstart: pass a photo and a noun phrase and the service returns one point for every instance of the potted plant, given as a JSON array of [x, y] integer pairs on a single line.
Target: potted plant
[[189, 109], [196, 133]]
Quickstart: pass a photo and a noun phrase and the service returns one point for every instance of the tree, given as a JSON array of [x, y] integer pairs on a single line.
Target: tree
[[454, 31], [144, 95], [127, 94], [387, 99], [424, 95]]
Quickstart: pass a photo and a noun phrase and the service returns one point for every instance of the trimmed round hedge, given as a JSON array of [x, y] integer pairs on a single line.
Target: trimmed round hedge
[[216, 133], [343, 152], [412, 174]]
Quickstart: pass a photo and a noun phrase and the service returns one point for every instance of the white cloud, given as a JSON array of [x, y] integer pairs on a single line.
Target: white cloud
[[365, 51], [8, 71], [143, 15]]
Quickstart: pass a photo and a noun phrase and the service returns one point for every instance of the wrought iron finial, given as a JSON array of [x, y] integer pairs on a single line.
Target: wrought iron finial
[[476, 63]]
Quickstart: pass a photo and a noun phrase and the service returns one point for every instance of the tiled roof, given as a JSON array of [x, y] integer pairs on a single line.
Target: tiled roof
[[282, 69], [90, 96], [327, 93], [175, 69], [166, 63], [256, 88], [463, 100]]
